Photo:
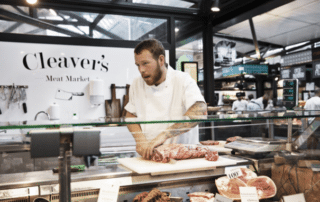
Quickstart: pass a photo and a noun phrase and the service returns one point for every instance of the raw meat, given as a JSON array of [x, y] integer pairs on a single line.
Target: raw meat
[[155, 195], [166, 152], [265, 186], [232, 139], [201, 194], [230, 187], [209, 142], [212, 156], [247, 175], [201, 197]]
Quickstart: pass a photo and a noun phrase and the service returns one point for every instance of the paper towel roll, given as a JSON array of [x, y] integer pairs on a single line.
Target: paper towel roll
[[96, 92], [96, 87], [54, 111]]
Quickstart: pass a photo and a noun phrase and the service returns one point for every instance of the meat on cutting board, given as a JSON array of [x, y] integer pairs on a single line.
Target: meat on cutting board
[[166, 152]]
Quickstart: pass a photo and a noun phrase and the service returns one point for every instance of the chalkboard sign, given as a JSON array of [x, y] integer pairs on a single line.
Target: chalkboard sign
[[316, 70], [299, 73], [285, 74]]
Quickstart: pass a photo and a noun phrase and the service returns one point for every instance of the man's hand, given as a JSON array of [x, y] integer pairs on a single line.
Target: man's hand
[[157, 141], [142, 149]]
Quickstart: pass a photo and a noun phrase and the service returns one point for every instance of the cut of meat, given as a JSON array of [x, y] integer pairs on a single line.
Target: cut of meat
[[209, 142], [212, 156], [265, 186], [232, 139], [201, 197], [230, 187], [202, 194], [140, 197], [247, 175], [166, 152]]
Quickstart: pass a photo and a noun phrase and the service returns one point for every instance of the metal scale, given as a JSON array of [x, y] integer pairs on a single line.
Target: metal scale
[[256, 145]]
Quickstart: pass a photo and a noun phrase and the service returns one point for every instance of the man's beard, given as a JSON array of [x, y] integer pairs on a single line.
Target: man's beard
[[157, 76]]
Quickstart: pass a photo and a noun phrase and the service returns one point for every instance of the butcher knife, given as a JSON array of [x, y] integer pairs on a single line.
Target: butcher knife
[[125, 100], [113, 107], [65, 95]]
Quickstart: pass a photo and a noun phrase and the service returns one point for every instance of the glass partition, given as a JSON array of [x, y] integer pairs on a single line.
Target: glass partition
[[105, 121]]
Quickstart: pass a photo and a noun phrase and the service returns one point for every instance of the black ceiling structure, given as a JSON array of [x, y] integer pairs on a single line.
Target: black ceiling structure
[[198, 21]]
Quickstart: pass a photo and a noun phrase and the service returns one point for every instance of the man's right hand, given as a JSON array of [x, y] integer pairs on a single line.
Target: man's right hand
[[142, 149]]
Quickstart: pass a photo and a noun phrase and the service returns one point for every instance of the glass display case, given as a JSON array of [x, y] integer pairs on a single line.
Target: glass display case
[[265, 137]]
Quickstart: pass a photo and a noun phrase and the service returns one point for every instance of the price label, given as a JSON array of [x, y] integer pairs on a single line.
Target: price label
[[109, 193], [294, 198], [234, 173], [248, 194]]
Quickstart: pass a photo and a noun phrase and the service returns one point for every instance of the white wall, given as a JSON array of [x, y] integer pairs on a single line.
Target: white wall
[[120, 69]]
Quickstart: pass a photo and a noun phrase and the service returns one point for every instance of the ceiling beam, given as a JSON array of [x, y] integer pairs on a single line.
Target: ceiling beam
[[254, 36], [12, 27], [97, 28], [20, 10], [245, 10], [247, 41], [97, 20], [109, 7], [74, 25], [35, 22]]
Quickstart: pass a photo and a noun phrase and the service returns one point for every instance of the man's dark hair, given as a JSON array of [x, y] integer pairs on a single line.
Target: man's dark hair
[[250, 97], [153, 45]]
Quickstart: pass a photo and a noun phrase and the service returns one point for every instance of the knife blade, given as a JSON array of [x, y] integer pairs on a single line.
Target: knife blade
[[65, 95]]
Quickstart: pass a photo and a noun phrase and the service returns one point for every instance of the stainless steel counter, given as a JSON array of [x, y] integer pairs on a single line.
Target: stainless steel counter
[[45, 183]]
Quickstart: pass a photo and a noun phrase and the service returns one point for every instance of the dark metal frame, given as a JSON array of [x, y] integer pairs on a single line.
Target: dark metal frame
[[198, 19]]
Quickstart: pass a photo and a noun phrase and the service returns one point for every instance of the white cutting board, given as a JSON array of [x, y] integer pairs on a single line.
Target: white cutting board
[[143, 166]]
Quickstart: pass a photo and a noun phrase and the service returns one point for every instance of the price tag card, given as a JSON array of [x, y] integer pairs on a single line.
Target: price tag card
[[294, 198], [233, 173], [315, 167], [248, 194], [109, 193], [219, 198]]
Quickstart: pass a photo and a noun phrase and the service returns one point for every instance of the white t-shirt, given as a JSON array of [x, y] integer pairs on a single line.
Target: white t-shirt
[[313, 103], [170, 100], [239, 105]]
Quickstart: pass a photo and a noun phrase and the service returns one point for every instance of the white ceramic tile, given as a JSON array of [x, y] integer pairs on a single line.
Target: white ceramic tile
[[296, 36], [291, 6]]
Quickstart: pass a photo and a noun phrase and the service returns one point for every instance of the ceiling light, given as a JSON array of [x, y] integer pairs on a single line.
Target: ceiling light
[[53, 12], [215, 7], [32, 1], [176, 29]]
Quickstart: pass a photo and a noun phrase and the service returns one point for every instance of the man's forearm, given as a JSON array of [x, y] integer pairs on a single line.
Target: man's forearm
[[135, 130], [196, 111]]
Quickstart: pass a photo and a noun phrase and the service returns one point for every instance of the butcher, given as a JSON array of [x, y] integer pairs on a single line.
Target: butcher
[[314, 102], [240, 104], [162, 93]]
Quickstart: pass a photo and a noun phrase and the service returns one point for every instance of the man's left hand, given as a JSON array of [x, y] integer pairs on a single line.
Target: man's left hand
[[157, 141]]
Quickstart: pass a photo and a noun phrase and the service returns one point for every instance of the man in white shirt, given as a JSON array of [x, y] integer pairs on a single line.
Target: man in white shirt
[[258, 104], [314, 102], [240, 104], [161, 93]]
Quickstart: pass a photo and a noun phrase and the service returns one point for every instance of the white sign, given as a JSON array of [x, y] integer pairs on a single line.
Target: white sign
[[234, 173], [294, 198], [248, 194], [310, 86], [219, 198], [48, 69], [109, 193]]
